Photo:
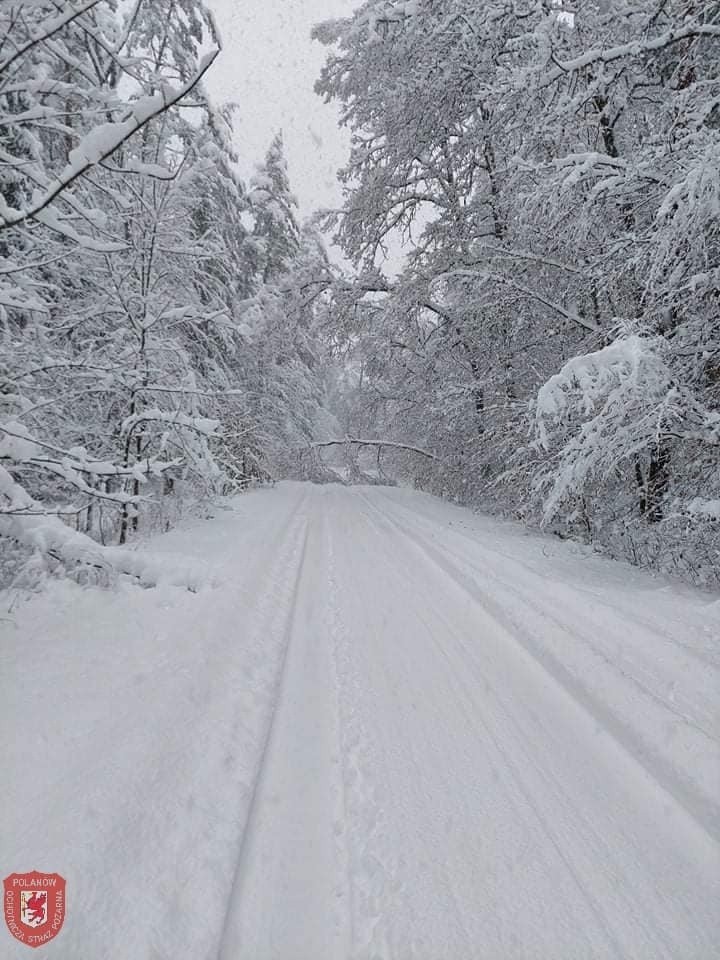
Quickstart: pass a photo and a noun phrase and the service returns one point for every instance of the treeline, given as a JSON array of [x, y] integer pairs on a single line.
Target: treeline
[[156, 342], [553, 170]]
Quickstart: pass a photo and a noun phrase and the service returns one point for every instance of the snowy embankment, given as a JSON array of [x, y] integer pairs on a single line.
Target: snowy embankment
[[389, 728], [130, 721]]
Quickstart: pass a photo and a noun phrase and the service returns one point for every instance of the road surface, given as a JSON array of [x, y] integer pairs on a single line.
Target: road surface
[[387, 729]]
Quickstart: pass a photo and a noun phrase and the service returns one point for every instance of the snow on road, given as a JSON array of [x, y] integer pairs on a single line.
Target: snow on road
[[389, 729]]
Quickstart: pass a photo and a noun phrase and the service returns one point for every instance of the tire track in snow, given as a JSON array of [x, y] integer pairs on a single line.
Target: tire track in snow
[[701, 809], [251, 802], [505, 761], [460, 709], [599, 854], [706, 657], [159, 720], [574, 632], [290, 895]]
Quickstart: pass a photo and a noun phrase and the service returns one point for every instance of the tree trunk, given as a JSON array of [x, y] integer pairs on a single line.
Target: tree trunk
[[654, 485], [658, 479]]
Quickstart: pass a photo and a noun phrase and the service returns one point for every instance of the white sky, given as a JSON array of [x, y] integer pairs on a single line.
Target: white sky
[[268, 66]]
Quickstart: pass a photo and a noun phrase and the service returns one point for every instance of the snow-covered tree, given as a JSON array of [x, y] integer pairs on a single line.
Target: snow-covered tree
[[109, 340], [552, 175], [274, 206]]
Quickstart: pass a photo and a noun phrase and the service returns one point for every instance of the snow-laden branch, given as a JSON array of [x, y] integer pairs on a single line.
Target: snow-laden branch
[[53, 220], [633, 49], [71, 466], [510, 253], [201, 425], [16, 298], [608, 407], [527, 291], [52, 538], [603, 381], [104, 140], [49, 30], [29, 523], [375, 443]]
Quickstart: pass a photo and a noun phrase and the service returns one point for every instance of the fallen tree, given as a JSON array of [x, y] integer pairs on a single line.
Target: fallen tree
[[375, 443]]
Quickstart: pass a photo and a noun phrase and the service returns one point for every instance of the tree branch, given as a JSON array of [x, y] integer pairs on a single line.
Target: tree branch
[[632, 49], [375, 443], [121, 131], [55, 26]]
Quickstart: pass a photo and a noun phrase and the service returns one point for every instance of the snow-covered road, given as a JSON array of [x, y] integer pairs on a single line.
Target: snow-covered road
[[391, 729]]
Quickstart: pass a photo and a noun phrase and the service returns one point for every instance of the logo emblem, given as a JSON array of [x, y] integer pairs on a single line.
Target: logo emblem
[[34, 906]]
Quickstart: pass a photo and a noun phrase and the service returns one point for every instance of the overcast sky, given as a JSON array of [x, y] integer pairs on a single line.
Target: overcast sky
[[268, 66]]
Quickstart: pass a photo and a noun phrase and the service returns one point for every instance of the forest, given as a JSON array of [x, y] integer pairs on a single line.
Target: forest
[[524, 318]]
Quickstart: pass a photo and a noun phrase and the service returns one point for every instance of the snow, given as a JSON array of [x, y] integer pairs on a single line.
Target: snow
[[12, 495], [700, 507], [386, 728], [82, 555], [624, 391], [55, 221], [594, 374], [17, 298], [16, 442], [202, 425], [157, 170]]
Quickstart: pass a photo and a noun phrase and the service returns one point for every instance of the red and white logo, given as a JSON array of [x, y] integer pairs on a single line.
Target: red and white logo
[[34, 906]]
